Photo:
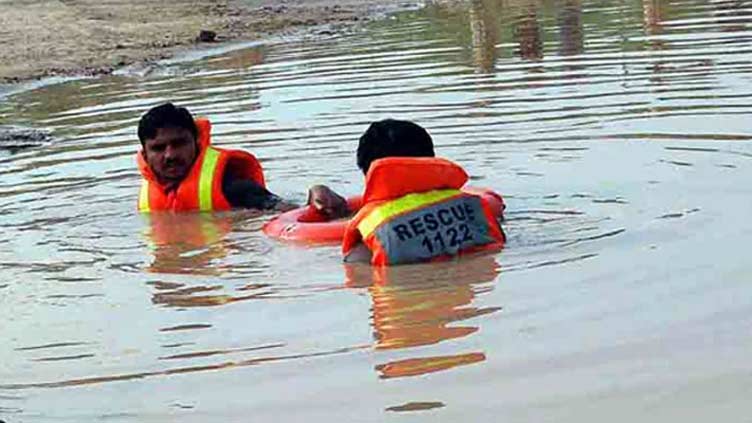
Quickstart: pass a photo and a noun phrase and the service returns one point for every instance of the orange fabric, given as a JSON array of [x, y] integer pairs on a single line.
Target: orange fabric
[[203, 127], [395, 177], [240, 164]]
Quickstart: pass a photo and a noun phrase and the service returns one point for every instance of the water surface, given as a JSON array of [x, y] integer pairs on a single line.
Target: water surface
[[617, 131]]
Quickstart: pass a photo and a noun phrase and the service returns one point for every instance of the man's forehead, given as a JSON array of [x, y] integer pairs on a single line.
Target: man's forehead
[[169, 133]]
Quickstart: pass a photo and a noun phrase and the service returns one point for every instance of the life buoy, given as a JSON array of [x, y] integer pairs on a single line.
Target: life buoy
[[306, 225]]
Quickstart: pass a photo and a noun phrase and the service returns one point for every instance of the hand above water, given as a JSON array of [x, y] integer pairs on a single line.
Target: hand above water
[[327, 202]]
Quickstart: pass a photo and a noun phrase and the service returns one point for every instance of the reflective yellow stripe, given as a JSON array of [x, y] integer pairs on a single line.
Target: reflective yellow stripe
[[211, 157], [401, 205], [143, 198]]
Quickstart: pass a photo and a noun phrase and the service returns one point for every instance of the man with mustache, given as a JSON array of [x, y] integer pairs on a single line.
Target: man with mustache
[[182, 171]]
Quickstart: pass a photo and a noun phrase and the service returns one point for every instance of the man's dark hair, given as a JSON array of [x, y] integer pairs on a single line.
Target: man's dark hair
[[165, 116], [393, 138]]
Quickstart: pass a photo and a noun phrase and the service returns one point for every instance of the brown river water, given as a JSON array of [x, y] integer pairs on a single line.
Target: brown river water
[[619, 133]]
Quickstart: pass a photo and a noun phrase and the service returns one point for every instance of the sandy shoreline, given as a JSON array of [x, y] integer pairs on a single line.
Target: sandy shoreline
[[44, 38]]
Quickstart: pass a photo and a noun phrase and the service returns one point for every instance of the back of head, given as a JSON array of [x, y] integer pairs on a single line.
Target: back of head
[[165, 116], [393, 138]]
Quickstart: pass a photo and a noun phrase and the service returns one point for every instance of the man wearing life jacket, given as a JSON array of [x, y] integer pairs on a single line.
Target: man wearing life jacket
[[183, 172], [413, 209]]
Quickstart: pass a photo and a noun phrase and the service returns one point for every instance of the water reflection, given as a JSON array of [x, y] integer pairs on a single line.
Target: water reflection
[[415, 305], [653, 12], [527, 30], [423, 365], [585, 196], [187, 243], [571, 36], [197, 243], [484, 27], [493, 20], [184, 370], [732, 15], [181, 295]]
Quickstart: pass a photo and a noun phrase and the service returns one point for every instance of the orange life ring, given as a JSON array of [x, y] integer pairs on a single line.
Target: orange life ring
[[306, 225]]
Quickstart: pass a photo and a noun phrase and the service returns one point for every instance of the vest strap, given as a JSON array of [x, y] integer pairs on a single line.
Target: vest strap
[[143, 197], [208, 168]]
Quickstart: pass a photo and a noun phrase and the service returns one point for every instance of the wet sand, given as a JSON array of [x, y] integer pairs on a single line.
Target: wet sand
[[86, 37]]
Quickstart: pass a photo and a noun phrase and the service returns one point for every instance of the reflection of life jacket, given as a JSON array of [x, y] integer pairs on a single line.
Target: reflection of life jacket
[[187, 242], [424, 304], [413, 210], [201, 190]]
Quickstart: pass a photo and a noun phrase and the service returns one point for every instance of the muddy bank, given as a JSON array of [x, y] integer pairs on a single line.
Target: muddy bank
[[86, 37]]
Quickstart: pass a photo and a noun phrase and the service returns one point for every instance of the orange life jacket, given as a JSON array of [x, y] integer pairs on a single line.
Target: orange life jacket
[[201, 190], [413, 210]]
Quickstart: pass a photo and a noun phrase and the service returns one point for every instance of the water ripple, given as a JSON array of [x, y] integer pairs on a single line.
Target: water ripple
[[606, 126]]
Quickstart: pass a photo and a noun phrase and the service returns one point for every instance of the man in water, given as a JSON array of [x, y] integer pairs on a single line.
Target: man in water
[[413, 209], [182, 171]]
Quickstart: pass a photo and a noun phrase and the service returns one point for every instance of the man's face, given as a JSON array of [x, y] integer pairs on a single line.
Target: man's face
[[170, 154]]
